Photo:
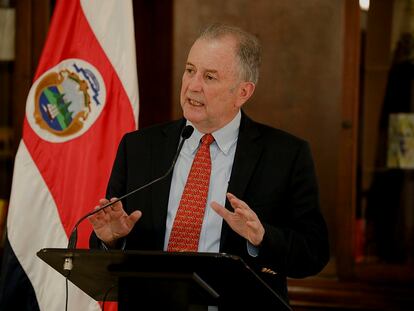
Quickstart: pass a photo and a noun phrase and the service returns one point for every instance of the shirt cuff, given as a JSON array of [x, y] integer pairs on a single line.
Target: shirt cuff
[[252, 250]]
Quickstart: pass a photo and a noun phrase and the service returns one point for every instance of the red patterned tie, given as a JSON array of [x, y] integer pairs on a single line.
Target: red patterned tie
[[185, 232]]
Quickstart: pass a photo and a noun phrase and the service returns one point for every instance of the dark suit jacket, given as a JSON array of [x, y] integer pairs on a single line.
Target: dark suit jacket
[[273, 173]]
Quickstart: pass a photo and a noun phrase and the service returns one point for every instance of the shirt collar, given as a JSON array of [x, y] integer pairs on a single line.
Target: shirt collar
[[224, 137]]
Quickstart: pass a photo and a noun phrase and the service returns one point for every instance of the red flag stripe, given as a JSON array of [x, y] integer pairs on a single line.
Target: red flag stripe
[[77, 191]]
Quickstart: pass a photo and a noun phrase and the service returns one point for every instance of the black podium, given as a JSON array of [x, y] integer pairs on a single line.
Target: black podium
[[154, 280]]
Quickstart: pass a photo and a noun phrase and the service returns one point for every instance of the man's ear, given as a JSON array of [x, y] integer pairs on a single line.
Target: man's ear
[[246, 90]]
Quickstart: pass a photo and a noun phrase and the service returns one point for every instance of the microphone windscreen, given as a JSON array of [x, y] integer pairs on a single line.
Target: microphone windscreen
[[187, 132]]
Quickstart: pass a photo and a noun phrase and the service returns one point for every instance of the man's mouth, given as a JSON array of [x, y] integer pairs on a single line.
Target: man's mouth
[[195, 103]]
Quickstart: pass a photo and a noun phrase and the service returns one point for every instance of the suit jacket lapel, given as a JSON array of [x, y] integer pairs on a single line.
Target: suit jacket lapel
[[247, 154], [163, 152]]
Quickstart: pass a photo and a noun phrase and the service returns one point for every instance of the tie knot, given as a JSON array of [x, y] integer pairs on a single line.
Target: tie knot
[[207, 139]]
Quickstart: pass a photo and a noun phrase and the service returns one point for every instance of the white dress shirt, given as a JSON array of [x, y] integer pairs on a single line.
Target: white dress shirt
[[222, 152]]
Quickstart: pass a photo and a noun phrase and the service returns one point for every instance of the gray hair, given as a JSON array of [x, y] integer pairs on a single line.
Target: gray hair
[[248, 48]]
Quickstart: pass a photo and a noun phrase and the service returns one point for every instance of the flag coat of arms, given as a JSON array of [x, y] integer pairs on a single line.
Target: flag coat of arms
[[83, 99]]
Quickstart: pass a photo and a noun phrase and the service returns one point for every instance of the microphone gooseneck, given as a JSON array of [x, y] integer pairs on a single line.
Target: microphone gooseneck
[[185, 134]]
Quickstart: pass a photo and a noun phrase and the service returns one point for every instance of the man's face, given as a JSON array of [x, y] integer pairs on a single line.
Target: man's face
[[211, 86]]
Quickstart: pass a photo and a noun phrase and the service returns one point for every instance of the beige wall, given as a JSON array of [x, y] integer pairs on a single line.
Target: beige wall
[[300, 84]]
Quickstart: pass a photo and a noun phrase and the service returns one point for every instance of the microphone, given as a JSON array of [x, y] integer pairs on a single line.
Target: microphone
[[185, 134]]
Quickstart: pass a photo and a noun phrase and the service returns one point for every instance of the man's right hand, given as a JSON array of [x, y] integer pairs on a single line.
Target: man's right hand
[[113, 222]]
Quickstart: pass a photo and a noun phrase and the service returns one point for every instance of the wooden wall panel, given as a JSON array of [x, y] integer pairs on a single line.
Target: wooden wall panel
[[32, 23], [345, 209], [153, 32]]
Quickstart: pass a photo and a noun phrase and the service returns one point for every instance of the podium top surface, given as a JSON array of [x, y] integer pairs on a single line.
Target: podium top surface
[[98, 272]]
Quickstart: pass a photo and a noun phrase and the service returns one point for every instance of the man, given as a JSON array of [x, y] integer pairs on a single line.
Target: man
[[262, 197]]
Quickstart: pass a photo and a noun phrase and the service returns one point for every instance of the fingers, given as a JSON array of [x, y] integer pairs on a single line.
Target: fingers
[[242, 220], [109, 213], [117, 206], [221, 210], [241, 208], [98, 218], [134, 217], [236, 202], [102, 202], [94, 220], [248, 215]]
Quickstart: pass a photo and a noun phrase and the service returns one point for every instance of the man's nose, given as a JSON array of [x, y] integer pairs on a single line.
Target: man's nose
[[195, 83]]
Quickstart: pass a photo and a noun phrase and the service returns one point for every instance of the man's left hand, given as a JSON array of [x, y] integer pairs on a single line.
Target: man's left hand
[[243, 220]]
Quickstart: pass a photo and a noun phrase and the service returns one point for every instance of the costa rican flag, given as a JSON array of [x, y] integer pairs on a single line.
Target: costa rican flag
[[83, 99]]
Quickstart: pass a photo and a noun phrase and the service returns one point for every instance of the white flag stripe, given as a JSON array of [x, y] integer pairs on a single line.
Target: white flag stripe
[[118, 44], [30, 231]]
